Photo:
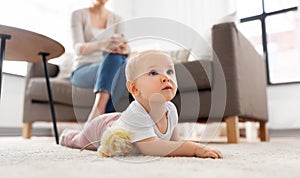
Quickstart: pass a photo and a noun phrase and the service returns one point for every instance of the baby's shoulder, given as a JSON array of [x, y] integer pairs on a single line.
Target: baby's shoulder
[[172, 112], [170, 106]]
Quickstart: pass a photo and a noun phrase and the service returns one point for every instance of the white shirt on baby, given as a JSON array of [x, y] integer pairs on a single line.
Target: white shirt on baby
[[136, 120]]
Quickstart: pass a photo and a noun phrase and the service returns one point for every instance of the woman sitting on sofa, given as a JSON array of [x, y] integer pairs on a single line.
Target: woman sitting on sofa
[[101, 49]]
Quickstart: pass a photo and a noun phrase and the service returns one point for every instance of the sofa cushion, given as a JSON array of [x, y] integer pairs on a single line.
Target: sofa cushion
[[193, 75], [62, 92]]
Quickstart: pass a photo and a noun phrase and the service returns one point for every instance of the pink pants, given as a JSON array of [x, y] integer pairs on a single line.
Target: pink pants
[[91, 132]]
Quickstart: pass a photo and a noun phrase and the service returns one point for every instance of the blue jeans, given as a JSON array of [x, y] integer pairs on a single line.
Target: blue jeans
[[102, 76]]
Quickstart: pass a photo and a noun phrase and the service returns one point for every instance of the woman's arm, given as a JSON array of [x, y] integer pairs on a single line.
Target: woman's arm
[[156, 147], [77, 21], [112, 45], [85, 48]]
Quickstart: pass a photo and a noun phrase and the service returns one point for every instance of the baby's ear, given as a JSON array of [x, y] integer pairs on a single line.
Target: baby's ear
[[132, 88]]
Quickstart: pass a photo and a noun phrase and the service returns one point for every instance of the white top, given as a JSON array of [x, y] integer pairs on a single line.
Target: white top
[[82, 32], [97, 32], [136, 120]]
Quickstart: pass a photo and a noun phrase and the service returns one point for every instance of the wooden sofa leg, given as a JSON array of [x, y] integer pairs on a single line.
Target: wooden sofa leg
[[232, 128], [27, 130], [263, 132]]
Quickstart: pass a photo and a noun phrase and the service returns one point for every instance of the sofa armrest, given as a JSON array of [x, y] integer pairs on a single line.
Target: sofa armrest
[[244, 70], [193, 74], [37, 70]]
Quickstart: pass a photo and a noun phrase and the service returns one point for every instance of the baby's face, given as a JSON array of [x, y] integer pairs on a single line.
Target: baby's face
[[156, 77]]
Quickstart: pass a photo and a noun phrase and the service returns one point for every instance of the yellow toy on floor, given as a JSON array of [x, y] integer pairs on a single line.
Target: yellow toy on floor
[[114, 142]]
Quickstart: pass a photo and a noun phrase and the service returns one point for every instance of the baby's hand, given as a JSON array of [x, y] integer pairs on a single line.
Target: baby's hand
[[205, 152]]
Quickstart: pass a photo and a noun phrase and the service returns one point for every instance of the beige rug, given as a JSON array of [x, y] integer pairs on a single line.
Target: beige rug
[[41, 157]]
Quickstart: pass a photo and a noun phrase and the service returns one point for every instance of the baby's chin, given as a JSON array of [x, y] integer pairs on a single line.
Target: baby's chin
[[159, 98]]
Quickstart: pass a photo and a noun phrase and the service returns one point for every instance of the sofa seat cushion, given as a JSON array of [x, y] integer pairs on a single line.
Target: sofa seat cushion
[[194, 75], [62, 92]]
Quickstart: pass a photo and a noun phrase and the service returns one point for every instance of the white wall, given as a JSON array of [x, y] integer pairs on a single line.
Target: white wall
[[197, 14], [283, 104], [50, 18], [11, 104]]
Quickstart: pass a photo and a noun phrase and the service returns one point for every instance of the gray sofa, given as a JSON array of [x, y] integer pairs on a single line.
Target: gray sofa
[[205, 94]]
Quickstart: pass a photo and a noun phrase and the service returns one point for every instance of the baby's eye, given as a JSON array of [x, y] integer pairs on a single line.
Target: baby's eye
[[153, 73], [170, 72]]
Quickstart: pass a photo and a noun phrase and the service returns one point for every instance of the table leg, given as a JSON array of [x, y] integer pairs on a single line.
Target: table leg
[[44, 55], [3, 38]]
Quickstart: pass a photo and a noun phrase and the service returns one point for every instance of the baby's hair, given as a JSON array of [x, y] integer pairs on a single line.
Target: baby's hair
[[130, 70]]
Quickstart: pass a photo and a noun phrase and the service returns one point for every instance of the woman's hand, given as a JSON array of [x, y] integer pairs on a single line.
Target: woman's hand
[[122, 49], [116, 44]]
